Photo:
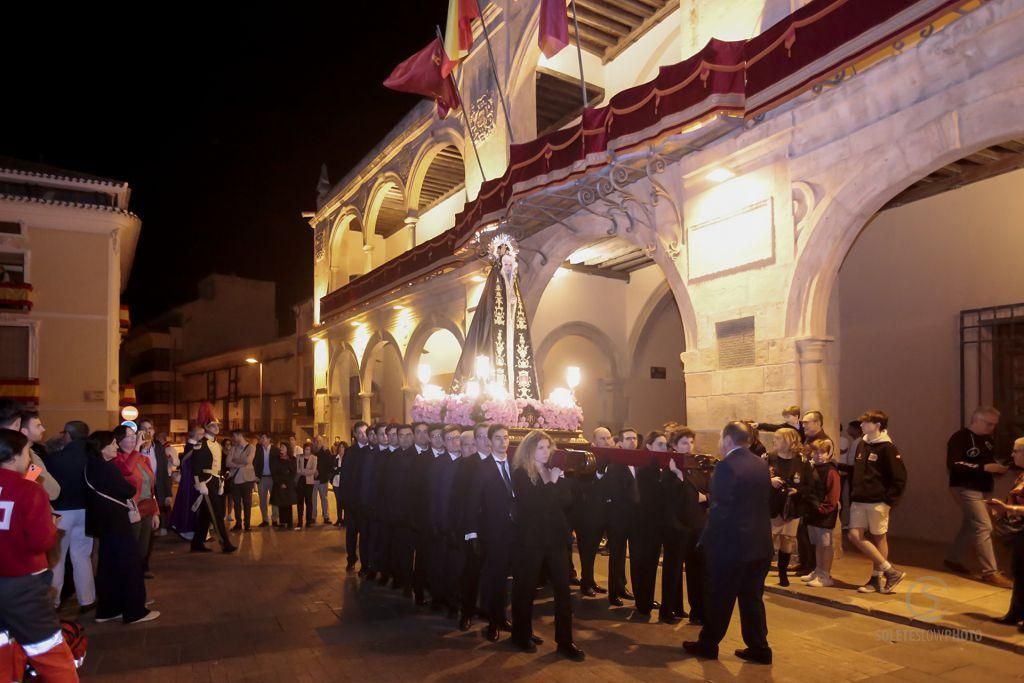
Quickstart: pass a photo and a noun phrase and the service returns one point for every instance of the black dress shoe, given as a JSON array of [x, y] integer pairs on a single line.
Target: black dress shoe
[[505, 625], [574, 582], [453, 613], [421, 601], [436, 606], [588, 592], [230, 549], [491, 633], [615, 602], [200, 549], [696, 621], [237, 527], [756, 656], [669, 619], [655, 605], [627, 595], [465, 623], [1007, 619], [570, 651], [599, 590], [85, 609], [263, 524], [536, 640], [699, 649]]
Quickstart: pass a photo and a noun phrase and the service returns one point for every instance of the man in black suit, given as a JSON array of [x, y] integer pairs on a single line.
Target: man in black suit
[[402, 497], [444, 565], [262, 464], [377, 499], [350, 472], [738, 548], [424, 454], [590, 518], [623, 514], [461, 512], [490, 517], [206, 467]]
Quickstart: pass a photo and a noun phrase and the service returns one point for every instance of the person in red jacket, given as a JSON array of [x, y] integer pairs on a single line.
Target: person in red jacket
[[27, 531]]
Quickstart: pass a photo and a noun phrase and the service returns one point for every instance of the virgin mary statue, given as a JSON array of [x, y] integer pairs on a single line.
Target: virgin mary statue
[[500, 330]]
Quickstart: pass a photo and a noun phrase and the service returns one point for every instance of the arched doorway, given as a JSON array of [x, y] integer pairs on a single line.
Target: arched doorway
[[656, 386], [383, 376], [343, 394], [441, 354], [588, 348]]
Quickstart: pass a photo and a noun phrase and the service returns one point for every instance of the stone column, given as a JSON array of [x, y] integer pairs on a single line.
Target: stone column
[[408, 397], [365, 397], [367, 258], [615, 403], [814, 390], [410, 222]]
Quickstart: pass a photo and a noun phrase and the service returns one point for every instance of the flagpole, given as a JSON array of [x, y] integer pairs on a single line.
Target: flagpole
[[465, 117], [494, 72], [579, 52]]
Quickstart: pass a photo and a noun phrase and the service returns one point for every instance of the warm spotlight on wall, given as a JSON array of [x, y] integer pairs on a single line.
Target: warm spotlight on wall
[[720, 175]]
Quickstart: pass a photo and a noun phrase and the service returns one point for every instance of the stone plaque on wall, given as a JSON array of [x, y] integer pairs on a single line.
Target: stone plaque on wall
[[735, 342], [743, 239]]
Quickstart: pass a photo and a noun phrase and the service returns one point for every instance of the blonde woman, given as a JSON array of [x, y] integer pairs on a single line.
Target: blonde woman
[[541, 535], [787, 471]]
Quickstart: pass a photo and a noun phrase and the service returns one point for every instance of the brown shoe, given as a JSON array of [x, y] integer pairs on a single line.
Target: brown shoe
[[997, 579], [956, 567]]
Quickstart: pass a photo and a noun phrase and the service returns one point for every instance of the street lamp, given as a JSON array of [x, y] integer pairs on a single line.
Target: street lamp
[[254, 361], [572, 377]]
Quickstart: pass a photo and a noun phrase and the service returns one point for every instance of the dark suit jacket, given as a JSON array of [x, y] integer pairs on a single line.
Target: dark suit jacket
[[462, 488], [540, 512], [257, 461], [738, 527], [490, 512], [442, 481], [351, 471], [163, 478], [623, 496]]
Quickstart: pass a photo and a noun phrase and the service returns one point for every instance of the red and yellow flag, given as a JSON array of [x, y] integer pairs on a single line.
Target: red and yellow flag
[[424, 74], [458, 30]]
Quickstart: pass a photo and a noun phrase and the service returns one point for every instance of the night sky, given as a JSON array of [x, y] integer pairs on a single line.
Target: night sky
[[219, 122]]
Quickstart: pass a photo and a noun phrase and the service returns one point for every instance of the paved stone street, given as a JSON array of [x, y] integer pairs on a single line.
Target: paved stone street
[[283, 609]]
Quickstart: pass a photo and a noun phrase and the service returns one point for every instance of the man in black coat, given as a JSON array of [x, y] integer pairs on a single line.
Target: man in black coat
[[425, 438], [490, 525], [206, 466], [589, 516], [461, 511], [352, 464], [623, 514], [444, 564], [401, 504], [738, 548]]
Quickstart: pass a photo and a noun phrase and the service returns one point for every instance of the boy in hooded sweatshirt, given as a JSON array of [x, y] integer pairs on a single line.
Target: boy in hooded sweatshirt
[[879, 479], [821, 510]]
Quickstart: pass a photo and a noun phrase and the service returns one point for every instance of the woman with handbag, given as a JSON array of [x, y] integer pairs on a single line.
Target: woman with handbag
[[1010, 524], [282, 469], [120, 587], [135, 469]]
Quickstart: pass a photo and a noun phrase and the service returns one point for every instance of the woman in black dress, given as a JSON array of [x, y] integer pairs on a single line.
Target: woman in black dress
[[120, 587], [541, 537], [282, 469]]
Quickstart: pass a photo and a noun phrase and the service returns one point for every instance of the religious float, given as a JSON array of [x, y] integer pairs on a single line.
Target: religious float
[[496, 379]]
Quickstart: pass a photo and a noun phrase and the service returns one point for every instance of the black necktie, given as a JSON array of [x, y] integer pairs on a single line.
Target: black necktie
[[503, 467]]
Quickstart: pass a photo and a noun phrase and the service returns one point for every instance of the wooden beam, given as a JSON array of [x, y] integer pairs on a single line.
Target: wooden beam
[[631, 6], [635, 35], [603, 23], [599, 272], [970, 175], [630, 19]]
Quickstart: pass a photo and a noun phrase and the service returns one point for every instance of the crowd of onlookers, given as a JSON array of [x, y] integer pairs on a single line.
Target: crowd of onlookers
[[447, 515]]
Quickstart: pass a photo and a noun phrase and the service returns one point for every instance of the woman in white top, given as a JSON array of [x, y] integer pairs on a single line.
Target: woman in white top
[[305, 470]]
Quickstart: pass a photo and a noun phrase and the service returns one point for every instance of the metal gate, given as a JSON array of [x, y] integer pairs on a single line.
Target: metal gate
[[992, 367]]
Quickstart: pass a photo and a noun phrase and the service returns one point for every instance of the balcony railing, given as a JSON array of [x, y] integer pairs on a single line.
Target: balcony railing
[[22, 389], [15, 296]]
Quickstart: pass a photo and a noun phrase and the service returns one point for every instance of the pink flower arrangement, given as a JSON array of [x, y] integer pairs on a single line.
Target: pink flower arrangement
[[428, 409], [462, 410]]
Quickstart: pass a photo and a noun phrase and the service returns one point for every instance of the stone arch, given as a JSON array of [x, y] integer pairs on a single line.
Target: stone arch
[[542, 260], [521, 88], [578, 328], [868, 181], [337, 262], [388, 196], [440, 140], [392, 403], [655, 302], [342, 410], [427, 327]]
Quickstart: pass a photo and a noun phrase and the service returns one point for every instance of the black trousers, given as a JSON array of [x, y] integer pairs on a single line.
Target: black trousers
[[440, 584], [380, 545], [242, 495], [644, 553], [588, 540], [424, 548], [470, 582], [204, 520], [672, 574], [808, 560], [120, 587], [526, 568], [695, 579], [353, 537], [284, 515], [618, 537], [303, 502], [403, 546], [338, 505], [361, 518], [494, 580], [730, 582], [1017, 566]]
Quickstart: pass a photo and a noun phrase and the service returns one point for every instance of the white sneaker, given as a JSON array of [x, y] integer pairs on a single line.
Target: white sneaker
[[821, 581], [101, 620], [807, 578], [150, 616]]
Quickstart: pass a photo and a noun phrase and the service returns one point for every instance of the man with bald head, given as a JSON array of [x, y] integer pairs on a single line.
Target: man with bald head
[[590, 517]]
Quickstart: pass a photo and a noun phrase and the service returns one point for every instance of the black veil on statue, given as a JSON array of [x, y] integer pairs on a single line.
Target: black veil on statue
[[500, 329]]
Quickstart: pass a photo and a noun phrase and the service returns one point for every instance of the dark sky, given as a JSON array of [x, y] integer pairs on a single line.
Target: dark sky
[[219, 120]]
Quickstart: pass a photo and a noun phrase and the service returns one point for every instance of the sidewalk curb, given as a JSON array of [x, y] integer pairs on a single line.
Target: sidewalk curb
[[882, 615]]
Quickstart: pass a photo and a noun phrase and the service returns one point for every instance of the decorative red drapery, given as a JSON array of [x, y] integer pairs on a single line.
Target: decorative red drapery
[[739, 78]]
